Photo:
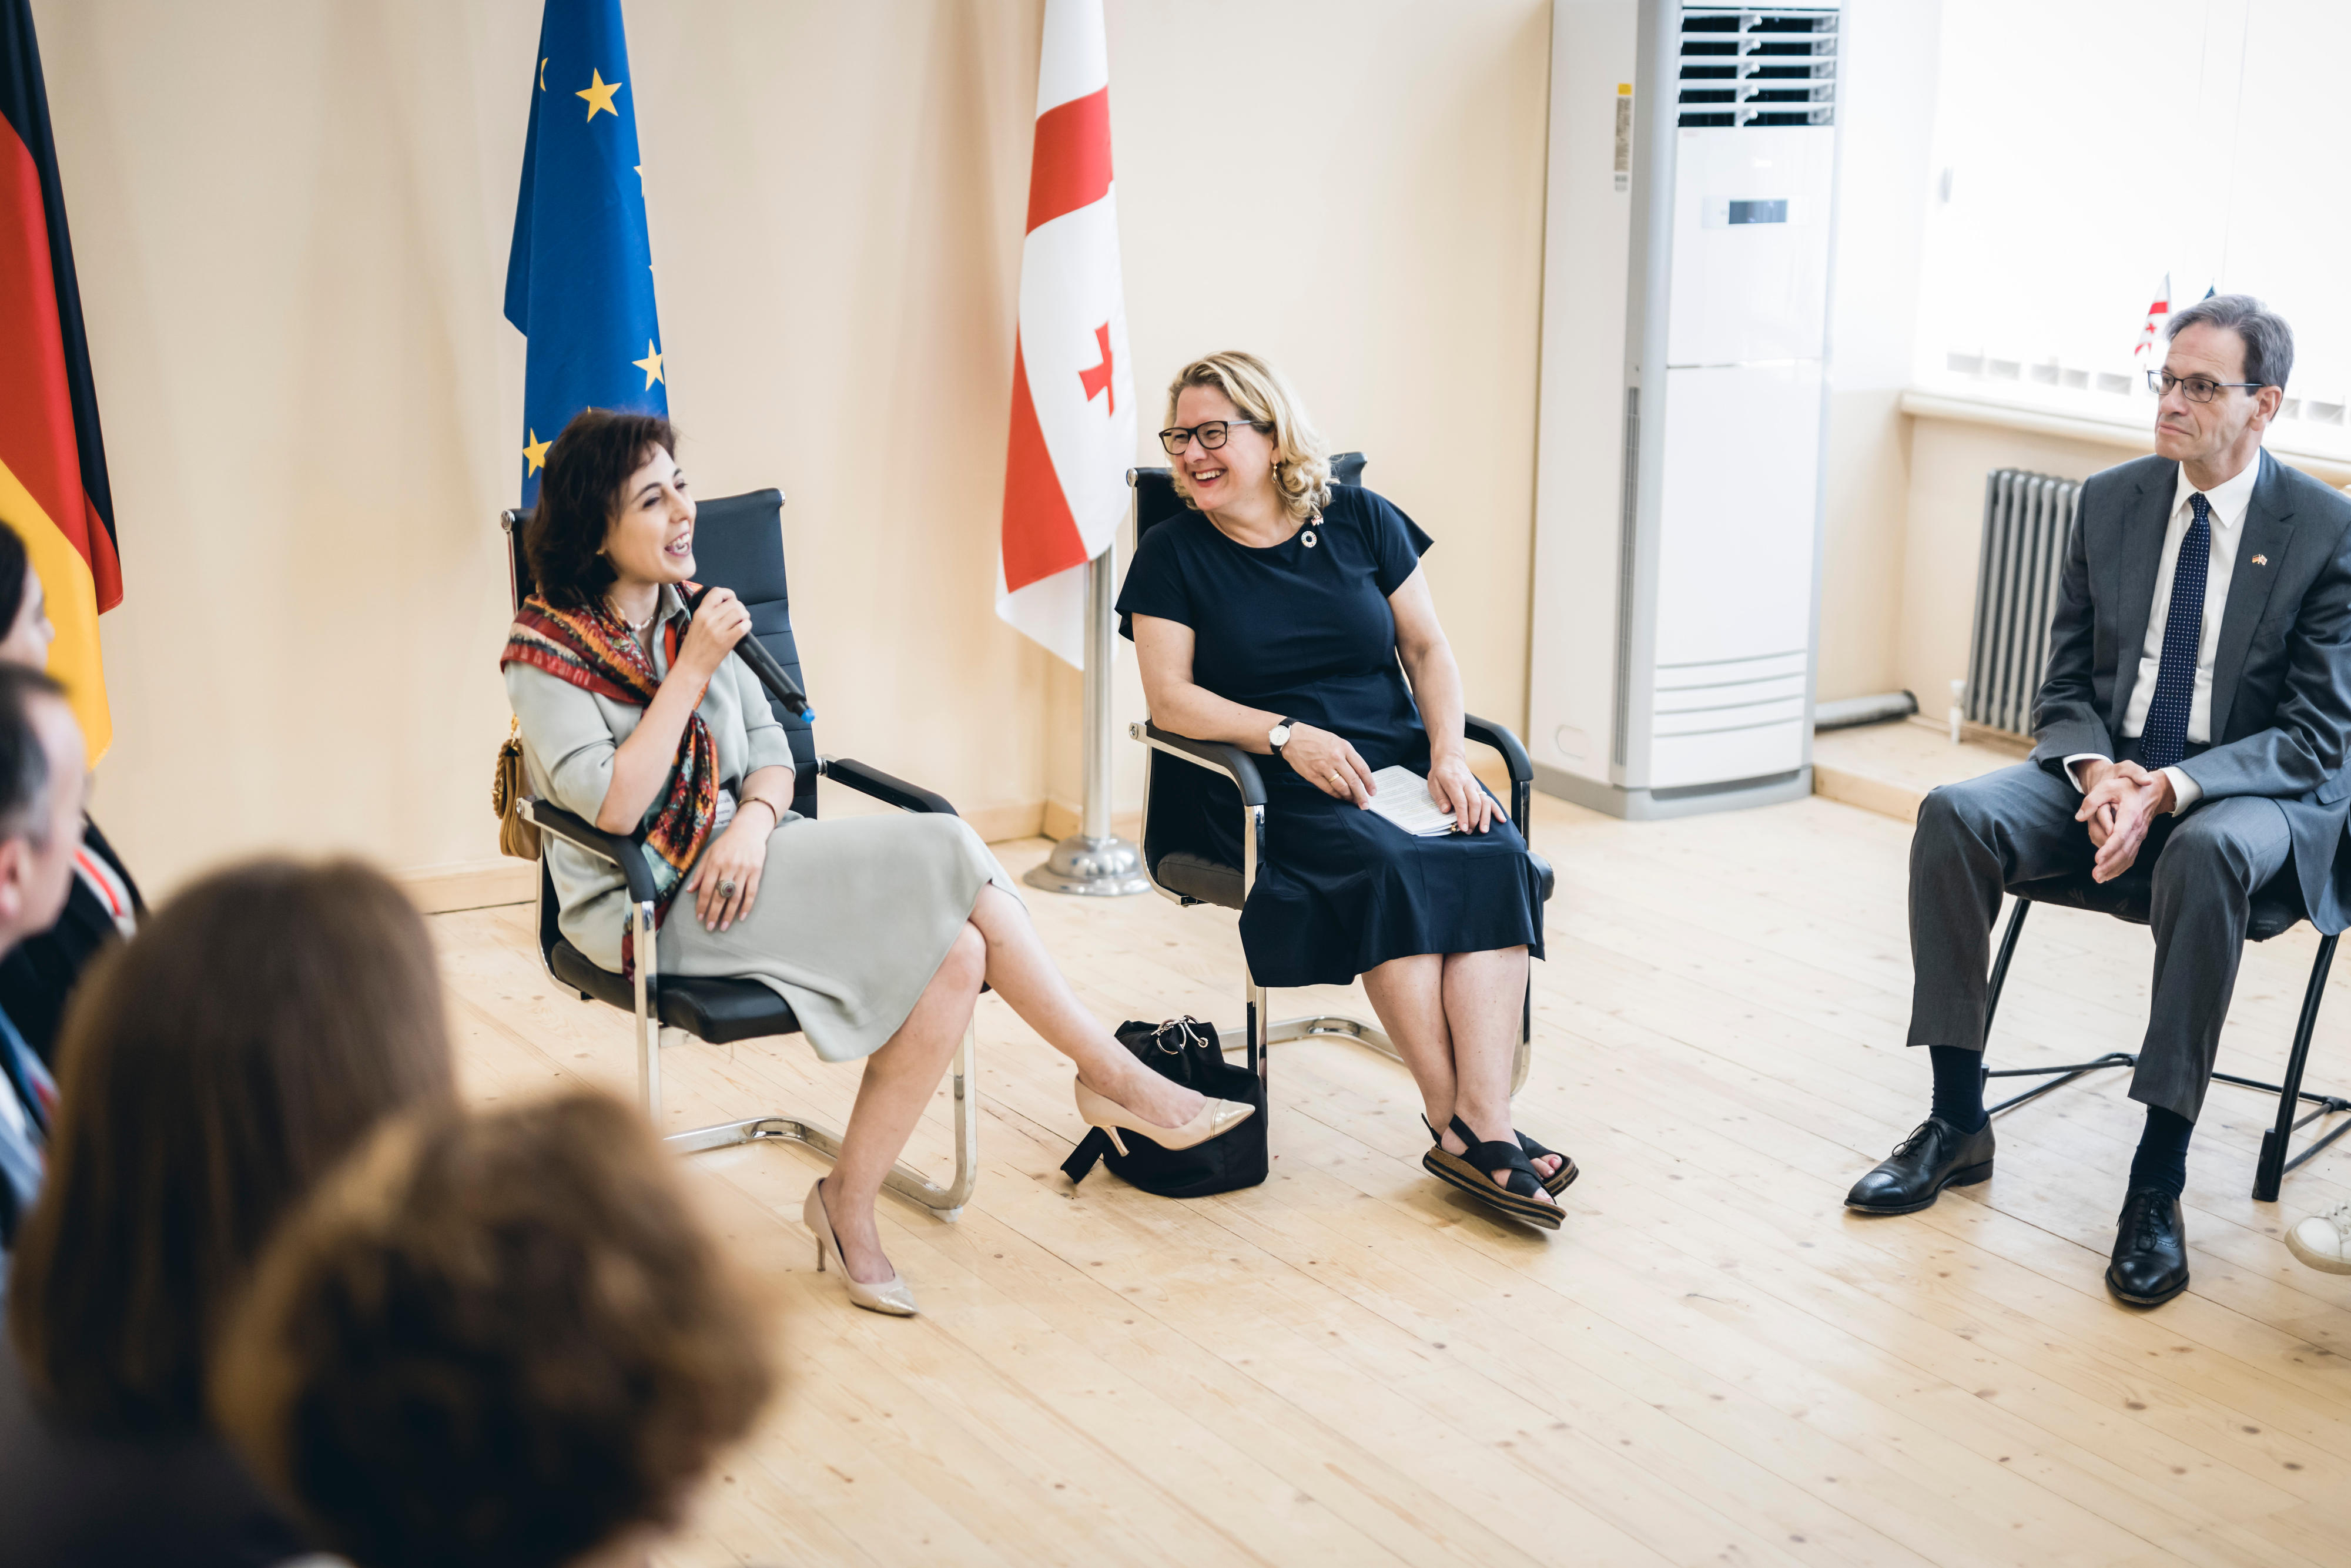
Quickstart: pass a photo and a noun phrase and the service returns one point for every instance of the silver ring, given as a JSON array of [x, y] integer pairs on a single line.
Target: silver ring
[[725, 887]]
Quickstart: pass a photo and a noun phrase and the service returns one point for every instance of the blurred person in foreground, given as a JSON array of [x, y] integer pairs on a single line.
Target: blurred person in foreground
[[501, 1340], [42, 778], [102, 902], [212, 1070]]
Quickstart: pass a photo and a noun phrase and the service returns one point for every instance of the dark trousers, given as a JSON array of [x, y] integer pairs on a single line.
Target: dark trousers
[[1976, 839]]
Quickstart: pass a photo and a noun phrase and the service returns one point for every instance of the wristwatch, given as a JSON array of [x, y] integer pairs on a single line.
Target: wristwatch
[[1278, 736]]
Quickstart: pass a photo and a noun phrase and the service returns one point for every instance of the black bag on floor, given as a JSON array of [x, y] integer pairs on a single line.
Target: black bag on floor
[[1185, 1050]]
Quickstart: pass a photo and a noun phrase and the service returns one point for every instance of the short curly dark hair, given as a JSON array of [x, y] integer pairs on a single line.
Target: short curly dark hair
[[579, 491], [496, 1338]]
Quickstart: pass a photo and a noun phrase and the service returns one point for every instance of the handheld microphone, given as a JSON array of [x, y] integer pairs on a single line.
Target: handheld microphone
[[762, 663]]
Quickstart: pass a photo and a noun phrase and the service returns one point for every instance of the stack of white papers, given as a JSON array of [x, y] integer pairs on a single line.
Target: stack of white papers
[[1402, 796]]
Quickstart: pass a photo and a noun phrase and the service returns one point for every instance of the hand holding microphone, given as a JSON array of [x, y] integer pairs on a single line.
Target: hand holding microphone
[[729, 626]]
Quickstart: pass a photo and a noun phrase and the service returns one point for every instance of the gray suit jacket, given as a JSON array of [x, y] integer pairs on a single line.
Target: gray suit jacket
[[2281, 674]]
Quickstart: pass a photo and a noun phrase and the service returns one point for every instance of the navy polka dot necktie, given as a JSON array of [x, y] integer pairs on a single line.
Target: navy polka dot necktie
[[2165, 740]]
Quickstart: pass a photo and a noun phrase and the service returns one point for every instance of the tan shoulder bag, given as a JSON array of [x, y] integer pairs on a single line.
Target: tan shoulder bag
[[518, 836]]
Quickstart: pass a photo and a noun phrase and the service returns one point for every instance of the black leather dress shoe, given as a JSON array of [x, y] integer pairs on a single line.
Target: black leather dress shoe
[[2150, 1264], [1935, 1156]]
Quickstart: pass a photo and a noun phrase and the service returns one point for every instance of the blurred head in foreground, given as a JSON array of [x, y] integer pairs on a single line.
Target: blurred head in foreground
[[501, 1339], [211, 1069]]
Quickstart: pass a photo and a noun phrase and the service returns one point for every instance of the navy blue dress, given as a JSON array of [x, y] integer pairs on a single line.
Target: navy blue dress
[[1305, 630]]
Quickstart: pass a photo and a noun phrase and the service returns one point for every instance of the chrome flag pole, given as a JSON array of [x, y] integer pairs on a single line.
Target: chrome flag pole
[[1093, 861]]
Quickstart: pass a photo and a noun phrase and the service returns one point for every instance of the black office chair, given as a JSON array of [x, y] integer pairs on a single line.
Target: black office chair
[[738, 543], [2276, 909], [1190, 870]]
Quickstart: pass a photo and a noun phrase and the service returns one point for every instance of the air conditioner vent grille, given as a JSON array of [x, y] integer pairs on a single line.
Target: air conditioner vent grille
[[1769, 52]]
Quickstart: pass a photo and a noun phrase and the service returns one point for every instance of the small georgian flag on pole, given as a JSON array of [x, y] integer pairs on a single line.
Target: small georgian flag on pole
[[2152, 333], [1072, 436]]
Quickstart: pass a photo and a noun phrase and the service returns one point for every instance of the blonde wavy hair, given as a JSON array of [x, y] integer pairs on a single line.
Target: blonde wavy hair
[[1301, 460]]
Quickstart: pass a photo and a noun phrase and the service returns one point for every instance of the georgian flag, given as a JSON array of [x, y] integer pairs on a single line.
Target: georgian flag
[[1072, 435], [2157, 315]]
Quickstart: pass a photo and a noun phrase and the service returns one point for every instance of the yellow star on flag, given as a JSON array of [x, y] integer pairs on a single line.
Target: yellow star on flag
[[534, 451], [543, 78], [599, 94], [650, 364]]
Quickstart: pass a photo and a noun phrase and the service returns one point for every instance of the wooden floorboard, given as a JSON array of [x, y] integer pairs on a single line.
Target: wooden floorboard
[[1711, 1363]]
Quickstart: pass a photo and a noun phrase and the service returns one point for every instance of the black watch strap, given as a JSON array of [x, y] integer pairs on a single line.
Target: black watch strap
[[1283, 724]]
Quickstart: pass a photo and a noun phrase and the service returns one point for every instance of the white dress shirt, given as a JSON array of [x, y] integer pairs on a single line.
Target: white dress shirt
[[2226, 501]]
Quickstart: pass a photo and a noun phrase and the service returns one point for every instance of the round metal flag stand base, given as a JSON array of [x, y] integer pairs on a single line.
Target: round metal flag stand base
[[1095, 868]]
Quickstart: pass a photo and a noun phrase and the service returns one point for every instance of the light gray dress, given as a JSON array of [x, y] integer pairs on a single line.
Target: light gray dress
[[853, 916]]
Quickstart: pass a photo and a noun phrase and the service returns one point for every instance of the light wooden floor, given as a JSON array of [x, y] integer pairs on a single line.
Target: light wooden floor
[[1711, 1363]]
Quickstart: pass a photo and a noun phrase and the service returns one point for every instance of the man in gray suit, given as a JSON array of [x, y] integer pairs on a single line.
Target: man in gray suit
[[2195, 714]]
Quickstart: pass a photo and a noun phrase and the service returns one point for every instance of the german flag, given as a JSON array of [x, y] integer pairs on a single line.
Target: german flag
[[53, 489]]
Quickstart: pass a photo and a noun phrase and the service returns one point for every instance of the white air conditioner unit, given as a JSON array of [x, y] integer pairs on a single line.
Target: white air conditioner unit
[[1677, 513]]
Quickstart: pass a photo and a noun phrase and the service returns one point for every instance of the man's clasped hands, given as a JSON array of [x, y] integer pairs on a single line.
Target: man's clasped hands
[[2120, 800]]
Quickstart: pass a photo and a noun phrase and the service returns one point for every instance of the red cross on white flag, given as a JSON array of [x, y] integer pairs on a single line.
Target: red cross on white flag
[[1073, 396], [2157, 315]]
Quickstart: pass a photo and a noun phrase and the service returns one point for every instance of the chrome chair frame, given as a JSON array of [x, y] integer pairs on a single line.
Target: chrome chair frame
[[653, 1036], [1259, 1033]]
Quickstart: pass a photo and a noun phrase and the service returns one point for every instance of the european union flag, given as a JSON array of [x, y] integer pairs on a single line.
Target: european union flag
[[580, 281]]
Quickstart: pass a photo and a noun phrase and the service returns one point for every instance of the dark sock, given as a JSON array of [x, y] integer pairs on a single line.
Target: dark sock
[[2161, 1161], [1959, 1086]]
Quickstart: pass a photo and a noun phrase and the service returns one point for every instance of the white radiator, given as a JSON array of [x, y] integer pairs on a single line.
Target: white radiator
[[2028, 519]]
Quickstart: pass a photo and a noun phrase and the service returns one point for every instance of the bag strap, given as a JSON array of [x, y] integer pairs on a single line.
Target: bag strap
[[1089, 1152], [1186, 1030]]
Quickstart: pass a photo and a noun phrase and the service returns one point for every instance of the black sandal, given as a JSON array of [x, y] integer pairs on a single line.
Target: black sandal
[[1558, 1182], [1470, 1173]]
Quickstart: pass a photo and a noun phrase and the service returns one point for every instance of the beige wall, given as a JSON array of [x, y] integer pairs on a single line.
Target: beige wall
[[1943, 535], [1886, 124], [292, 221], [1375, 227]]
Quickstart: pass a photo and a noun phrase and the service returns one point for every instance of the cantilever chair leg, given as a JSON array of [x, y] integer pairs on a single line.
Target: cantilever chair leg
[[1339, 1026], [904, 1179], [1257, 1031]]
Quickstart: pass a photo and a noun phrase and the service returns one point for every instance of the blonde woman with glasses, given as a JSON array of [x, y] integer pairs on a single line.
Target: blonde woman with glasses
[[1284, 614]]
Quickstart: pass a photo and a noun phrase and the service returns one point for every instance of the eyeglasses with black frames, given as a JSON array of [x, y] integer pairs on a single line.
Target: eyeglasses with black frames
[[2200, 389], [1210, 433]]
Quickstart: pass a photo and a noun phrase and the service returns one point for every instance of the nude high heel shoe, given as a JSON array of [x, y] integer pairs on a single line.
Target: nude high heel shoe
[[1215, 1119], [890, 1296]]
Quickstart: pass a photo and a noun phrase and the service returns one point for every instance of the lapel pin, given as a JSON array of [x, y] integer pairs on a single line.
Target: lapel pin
[[2261, 560]]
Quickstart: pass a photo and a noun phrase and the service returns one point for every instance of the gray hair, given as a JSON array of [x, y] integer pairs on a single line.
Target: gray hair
[[2268, 341], [23, 760]]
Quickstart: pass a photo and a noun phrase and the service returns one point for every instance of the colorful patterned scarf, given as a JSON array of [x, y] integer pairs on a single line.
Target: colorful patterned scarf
[[592, 649]]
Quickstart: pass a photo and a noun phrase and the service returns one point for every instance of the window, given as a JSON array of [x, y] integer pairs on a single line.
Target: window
[[2087, 148]]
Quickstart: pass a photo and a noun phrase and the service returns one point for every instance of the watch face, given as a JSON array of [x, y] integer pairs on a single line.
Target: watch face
[[1279, 736]]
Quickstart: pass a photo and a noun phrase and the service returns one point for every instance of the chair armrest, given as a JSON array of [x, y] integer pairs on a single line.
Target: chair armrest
[[1214, 754], [1485, 732], [872, 781], [624, 853]]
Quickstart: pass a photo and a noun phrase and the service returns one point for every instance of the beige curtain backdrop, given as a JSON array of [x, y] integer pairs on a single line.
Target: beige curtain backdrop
[[292, 216]]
